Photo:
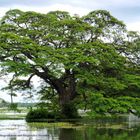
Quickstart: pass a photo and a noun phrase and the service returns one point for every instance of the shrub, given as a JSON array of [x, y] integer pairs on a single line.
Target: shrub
[[41, 115], [70, 111]]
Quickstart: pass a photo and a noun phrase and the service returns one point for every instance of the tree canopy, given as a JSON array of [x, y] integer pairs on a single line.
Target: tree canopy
[[91, 60]]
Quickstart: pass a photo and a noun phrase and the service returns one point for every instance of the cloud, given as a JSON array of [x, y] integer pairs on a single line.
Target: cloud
[[134, 26], [125, 10], [45, 9], [24, 2], [92, 4], [2, 11], [115, 3]]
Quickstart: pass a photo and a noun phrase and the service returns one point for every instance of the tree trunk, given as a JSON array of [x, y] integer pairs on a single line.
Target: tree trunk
[[11, 98], [67, 94], [68, 109], [66, 89]]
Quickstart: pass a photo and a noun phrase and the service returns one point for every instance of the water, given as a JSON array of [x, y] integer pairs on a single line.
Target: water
[[86, 130]]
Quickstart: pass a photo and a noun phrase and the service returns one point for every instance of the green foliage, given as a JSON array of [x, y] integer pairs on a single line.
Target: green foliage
[[14, 107], [91, 58], [40, 115], [108, 106], [69, 111]]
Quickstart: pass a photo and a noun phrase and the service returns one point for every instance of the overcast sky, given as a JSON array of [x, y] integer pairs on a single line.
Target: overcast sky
[[127, 11]]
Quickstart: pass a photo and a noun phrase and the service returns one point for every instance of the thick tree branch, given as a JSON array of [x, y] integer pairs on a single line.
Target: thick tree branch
[[29, 80]]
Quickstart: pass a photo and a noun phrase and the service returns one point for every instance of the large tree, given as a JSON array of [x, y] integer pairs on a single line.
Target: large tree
[[71, 54]]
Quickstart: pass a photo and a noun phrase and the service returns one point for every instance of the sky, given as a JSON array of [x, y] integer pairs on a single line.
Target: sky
[[127, 11]]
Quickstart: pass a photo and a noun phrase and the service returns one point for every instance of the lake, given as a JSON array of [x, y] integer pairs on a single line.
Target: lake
[[100, 129]]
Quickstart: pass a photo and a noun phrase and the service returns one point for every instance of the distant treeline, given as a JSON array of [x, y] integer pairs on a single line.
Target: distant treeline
[[7, 104]]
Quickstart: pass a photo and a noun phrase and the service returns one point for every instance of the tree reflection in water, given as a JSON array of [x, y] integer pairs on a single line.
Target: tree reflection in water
[[19, 130], [90, 133]]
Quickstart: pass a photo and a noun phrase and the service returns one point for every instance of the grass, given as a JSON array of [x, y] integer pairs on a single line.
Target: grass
[[5, 113], [5, 116], [101, 122], [56, 125]]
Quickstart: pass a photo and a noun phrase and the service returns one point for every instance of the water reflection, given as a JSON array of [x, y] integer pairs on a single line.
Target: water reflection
[[96, 130]]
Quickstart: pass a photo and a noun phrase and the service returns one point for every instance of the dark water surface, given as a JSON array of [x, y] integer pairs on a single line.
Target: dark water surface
[[86, 130]]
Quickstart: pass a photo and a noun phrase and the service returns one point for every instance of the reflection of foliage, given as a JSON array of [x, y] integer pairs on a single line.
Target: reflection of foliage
[[90, 133], [101, 130]]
